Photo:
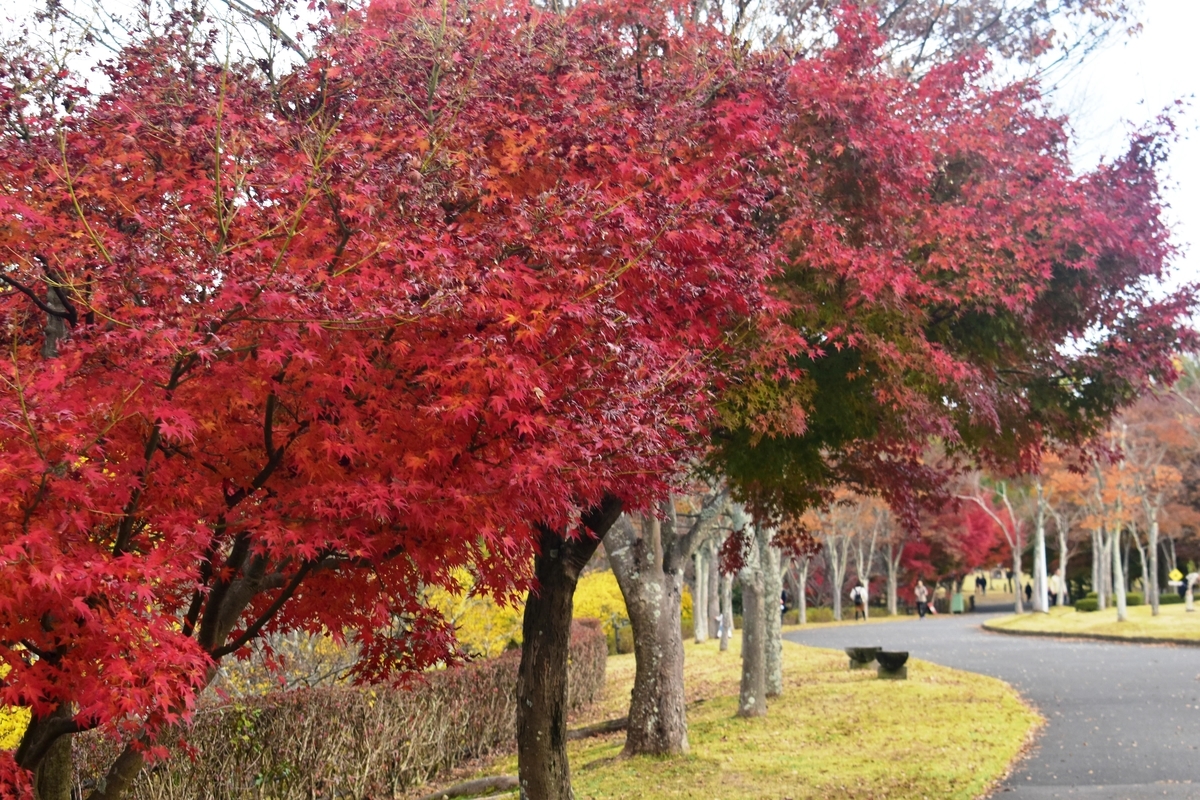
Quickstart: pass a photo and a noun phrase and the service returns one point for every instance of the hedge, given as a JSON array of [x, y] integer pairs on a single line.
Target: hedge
[[348, 742]]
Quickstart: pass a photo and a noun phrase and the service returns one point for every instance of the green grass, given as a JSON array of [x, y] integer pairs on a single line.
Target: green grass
[[1173, 622], [834, 733]]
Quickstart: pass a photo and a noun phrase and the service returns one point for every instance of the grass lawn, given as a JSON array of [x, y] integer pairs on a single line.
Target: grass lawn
[[1172, 622], [834, 733]]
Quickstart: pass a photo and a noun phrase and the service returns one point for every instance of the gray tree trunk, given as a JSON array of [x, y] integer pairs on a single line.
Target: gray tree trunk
[[726, 611], [714, 586], [1150, 509], [1063, 555], [837, 551], [652, 584], [1040, 579], [700, 597], [893, 577], [647, 556], [772, 595], [803, 565], [752, 699], [1118, 575]]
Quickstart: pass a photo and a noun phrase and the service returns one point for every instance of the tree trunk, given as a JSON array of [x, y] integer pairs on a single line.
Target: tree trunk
[[1018, 603], [714, 586], [837, 552], [752, 699], [772, 596], [1099, 553], [639, 555], [542, 674], [45, 750], [1118, 576], [1152, 567], [802, 589], [893, 578], [1168, 544], [726, 611], [700, 597], [1063, 555], [1040, 589]]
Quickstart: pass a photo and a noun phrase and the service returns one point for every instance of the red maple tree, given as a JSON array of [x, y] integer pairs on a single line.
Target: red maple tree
[[329, 338]]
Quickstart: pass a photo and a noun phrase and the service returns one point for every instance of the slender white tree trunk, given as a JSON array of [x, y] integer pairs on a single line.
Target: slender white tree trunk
[[726, 610], [893, 577], [714, 586], [837, 550], [700, 596], [1099, 568], [803, 563], [1040, 592], [1152, 567], [1118, 575], [1063, 555]]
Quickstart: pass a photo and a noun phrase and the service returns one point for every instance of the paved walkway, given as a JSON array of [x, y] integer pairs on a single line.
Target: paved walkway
[[1123, 721]]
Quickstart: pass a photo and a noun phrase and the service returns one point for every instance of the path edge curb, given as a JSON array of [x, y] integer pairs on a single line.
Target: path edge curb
[[1093, 637]]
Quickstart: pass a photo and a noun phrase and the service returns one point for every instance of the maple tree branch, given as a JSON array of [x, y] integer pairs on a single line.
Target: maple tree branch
[[257, 626], [41, 736], [69, 316], [254, 15]]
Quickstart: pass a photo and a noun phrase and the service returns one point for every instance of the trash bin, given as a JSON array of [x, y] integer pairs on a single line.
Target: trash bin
[[956, 603]]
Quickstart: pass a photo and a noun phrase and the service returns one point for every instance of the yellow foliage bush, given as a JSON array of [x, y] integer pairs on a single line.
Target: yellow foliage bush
[[13, 722], [483, 626], [597, 595]]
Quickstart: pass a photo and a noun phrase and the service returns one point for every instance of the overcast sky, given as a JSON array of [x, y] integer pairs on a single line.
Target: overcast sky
[[1128, 83]]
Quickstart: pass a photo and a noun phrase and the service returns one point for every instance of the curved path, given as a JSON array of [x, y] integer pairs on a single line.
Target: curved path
[[1123, 721]]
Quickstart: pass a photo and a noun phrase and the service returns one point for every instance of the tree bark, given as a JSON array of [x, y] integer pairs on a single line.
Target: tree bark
[[837, 551], [1152, 567], [773, 621], [893, 577], [714, 586], [726, 611], [699, 597], [752, 699], [1118, 575], [652, 584], [802, 589], [1040, 579], [542, 675]]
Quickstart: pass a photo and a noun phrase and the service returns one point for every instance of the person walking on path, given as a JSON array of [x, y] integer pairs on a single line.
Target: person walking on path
[[858, 596], [922, 595], [1028, 592]]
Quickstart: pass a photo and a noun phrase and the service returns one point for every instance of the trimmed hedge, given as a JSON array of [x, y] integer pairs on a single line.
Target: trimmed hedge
[[1169, 599], [1092, 602], [348, 742]]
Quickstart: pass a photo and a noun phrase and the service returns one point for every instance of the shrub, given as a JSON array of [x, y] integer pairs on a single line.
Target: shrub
[[820, 614], [1087, 604], [13, 722], [598, 596], [482, 626], [1133, 599], [1169, 599], [348, 742]]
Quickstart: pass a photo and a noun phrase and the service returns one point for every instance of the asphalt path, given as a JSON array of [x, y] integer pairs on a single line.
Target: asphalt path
[[1123, 720]]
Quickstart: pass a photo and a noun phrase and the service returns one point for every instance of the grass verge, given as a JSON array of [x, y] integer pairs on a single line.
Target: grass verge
[[1172, 624], [833, 733]]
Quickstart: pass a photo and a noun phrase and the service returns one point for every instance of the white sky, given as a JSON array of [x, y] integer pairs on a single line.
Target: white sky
[[1128, 83]]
